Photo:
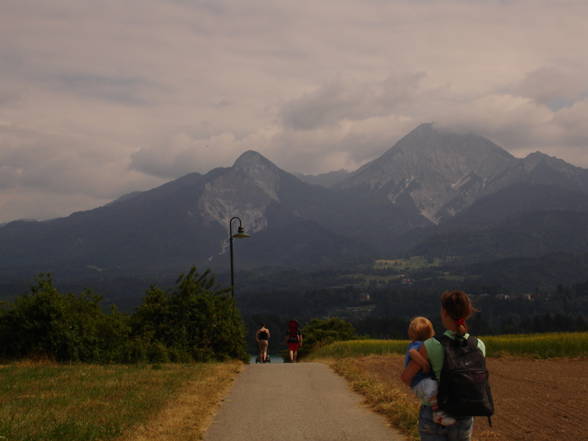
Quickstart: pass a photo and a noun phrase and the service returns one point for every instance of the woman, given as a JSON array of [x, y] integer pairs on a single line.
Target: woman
[[262, 337], [456, 308], [294, 340]]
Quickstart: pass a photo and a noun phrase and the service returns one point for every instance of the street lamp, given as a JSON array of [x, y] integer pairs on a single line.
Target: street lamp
[[240, 234]]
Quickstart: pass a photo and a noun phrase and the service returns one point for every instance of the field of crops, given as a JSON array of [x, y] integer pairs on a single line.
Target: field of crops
[[529, 345]]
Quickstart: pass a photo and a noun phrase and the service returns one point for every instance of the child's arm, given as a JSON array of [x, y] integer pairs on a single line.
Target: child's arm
[[420, 360], [413, 368]]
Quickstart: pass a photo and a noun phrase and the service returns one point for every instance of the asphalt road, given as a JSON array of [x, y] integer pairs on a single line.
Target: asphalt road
[[296, 402]]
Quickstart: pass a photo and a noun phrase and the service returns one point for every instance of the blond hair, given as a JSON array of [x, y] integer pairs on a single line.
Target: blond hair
[[420, 328]]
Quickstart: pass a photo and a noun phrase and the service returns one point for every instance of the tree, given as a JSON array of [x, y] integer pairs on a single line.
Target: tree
[[196, 317], [319, 332], [65, 327]]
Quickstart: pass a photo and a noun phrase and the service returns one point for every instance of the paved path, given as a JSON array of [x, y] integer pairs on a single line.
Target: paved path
[[295, 402]]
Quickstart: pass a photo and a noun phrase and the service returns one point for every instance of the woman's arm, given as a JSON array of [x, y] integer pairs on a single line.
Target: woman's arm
[[413, 368]]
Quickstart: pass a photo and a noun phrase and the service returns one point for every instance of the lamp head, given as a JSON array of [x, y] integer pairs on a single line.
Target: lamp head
[[241, 234]]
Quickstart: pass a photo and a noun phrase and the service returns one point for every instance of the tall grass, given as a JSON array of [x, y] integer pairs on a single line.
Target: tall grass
[[395, 403], [565, 344], [358, 348], [531, 345], [50, 402]]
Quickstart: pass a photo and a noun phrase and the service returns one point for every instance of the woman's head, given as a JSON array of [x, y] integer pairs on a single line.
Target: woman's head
[[420, 328], [457, 307]]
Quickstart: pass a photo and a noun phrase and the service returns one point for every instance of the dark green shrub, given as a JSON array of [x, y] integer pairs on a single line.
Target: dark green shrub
[[196, 317], [157, 353], [319, 332], [196, 320]]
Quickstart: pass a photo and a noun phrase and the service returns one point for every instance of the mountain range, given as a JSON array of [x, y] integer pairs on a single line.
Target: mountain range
[[435, 193]]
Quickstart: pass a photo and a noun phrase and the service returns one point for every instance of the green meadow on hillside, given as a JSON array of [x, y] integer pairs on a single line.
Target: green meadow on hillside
[[573, 344]]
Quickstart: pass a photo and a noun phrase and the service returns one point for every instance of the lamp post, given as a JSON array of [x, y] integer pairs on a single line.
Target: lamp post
[[240, 234]]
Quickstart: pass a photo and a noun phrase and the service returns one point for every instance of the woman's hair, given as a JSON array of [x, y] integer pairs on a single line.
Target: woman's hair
[[420, 328], [458, 306], [262, 326]]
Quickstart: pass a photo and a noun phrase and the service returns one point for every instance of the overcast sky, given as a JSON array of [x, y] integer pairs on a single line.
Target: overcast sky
[[100, 98]]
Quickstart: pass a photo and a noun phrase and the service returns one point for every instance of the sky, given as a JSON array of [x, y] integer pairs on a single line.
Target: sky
[[102, 98]]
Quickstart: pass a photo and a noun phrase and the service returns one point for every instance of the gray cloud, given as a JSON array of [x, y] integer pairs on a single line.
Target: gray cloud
[[555, 86], [126, 90], [338, 101], [97, 99]]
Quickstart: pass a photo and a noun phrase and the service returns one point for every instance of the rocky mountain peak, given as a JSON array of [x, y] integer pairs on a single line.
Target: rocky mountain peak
[[536, 158], [430, 140], [260, 171], [433, 167], [253, 160], [247, 188]]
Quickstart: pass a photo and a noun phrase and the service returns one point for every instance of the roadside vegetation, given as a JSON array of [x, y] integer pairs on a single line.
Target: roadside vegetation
[[75, 371], [54, 402], [194, 321], [388, 398], [373, 367], [549, 345]]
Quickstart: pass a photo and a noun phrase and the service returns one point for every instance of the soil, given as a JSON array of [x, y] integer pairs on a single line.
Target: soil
[[535, 400]]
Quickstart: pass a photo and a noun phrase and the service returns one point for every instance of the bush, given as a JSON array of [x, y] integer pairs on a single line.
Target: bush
[[63, 327], [194, 321], [320, 332], [196, 317], [157, 353]]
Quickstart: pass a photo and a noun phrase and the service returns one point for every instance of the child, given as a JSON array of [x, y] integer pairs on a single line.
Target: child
[[423, 384]]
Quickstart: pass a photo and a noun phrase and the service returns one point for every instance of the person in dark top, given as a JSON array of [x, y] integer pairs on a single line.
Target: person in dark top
[[262, 337]]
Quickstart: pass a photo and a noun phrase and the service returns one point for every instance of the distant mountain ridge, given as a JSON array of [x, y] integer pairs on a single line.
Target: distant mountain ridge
[[328, 180], [433, 193], [443, 173]]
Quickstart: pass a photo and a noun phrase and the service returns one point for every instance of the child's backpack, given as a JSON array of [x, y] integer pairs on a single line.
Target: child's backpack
[[463, 387]]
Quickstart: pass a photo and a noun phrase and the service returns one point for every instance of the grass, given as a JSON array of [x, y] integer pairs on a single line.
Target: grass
[[551, 345], [359, 348], [391, 401], [46, 402], [373, 371]]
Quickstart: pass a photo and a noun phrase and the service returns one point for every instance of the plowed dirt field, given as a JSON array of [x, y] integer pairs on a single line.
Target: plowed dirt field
[[535, 400]]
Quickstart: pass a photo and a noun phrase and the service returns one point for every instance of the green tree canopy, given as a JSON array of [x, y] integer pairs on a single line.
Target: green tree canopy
[[319, 332]]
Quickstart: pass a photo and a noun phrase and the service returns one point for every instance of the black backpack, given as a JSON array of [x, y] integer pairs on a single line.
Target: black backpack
[[463, 387]]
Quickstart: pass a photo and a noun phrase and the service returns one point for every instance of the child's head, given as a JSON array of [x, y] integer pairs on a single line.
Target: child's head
[[420, 328]]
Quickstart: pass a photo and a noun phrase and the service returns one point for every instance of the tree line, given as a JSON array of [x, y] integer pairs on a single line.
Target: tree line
[[196, 320]]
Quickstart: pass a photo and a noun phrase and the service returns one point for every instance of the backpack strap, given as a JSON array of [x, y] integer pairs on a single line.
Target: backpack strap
[[443, 339]]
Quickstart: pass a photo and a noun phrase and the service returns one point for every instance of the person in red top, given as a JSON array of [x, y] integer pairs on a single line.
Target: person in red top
[[294, 340]]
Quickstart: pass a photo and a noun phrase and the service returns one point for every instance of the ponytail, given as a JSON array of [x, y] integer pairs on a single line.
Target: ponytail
[[458, 306]]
